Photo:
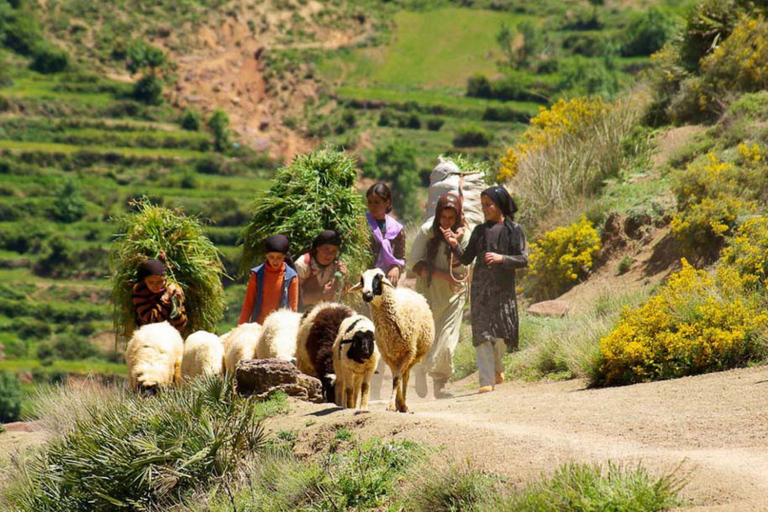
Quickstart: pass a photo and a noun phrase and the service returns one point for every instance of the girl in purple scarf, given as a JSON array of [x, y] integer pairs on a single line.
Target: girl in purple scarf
[[387, 235]]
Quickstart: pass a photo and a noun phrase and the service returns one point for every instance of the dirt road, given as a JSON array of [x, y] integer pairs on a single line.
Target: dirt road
[[716, 425]]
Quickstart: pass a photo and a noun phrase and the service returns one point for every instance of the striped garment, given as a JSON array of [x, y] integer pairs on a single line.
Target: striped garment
[[151, 308]]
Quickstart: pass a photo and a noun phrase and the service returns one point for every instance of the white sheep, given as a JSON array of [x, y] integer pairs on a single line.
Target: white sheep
[[278, 335], [405, 329], [318, 330], [153, 357], [240, 343], [355, 358], [203, 355]]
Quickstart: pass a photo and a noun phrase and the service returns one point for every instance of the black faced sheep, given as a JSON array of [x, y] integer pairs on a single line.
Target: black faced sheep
[[354, 361], [314, 350]]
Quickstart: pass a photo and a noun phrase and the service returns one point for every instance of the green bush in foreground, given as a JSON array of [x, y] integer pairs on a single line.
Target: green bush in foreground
[[592, 487], [134, 453], [10, 397]]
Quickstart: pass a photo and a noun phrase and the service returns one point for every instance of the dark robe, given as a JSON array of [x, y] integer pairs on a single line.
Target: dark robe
[[493, 296]]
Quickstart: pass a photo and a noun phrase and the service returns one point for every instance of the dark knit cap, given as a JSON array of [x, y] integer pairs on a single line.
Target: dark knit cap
[[277, 243], [150, 268]]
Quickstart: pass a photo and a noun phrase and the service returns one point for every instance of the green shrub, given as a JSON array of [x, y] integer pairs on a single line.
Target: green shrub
[[411, 121], [218, 123], [49, 60], [625, 264], [10, 397], [138, 453], [435, 123], [190, 120], [449, 487], [149, 90], [588, 44], [22, 33], [387, 117], [69, 205], [582, 76], [472, 136], [479, 86], [396, 164], [583, 487], [72, 347], [647, 32]]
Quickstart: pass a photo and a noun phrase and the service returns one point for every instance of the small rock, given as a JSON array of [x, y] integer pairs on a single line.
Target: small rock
[[550, 308], [264, 123], [262, 377]]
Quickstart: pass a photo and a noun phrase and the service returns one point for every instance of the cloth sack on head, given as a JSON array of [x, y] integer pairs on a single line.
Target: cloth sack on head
[[447, 177]]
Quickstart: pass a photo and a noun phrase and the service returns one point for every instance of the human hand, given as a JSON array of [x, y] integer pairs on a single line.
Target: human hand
[[329, 286], [491, 258], [460, 233], [394, 275], [450, 237]]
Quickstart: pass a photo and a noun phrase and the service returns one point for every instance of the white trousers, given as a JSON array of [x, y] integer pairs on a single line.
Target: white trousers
[[489, 360]]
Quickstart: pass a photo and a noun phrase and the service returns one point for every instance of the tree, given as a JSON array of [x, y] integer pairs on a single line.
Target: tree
[[531, 48], [69, 205], [219, 126], [396, 163], [595, 4], [149, 61], [506, 40]]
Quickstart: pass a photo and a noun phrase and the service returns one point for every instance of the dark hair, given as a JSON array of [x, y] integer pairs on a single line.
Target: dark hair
[[382, 190], [446, 201]]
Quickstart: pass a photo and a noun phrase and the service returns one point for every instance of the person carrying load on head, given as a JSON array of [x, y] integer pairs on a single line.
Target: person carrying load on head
[[272, 285], [499, 248], [441, 279], [321, 273], [155, 299]]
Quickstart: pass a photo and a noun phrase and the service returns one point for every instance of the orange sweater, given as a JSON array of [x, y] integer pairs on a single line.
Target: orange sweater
[[273, 291]]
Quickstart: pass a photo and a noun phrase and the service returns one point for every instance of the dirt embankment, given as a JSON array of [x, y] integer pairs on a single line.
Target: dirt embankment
[[715, 425]]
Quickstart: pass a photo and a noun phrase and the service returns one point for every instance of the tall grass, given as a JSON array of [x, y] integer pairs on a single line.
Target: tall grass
[[134, 453], [569, 347], [561, 175]]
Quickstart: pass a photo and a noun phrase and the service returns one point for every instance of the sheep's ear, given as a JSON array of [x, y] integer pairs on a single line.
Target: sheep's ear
[[385, 281], [358, 286]]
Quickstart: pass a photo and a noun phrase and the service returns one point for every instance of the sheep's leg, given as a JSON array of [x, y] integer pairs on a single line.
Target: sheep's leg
[[177, 371], [397, 392], [357, 382], [365, 389], [401, 406], [338, 390], [349, 394]]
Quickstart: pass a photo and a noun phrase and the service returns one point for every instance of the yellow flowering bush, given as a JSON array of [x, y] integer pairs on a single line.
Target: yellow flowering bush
[[560, 259], [748, 250], [711, 196], [741, 61], [564, 117], [697, 323]]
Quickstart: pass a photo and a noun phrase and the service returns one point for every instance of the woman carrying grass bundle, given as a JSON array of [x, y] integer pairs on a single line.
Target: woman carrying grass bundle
[[321, 274], [273, 285], [440, 279], [155, 299], [387, 235], [499, 246]]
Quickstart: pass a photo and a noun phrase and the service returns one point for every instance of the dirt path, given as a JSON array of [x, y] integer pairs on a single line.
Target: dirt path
[[715, 425]]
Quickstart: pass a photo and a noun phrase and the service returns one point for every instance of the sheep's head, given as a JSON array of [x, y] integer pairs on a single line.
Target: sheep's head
[[359, 334], [147, 387], [372, 283]]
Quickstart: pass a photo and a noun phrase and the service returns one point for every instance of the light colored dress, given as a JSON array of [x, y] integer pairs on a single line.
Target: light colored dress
[[446, 303]]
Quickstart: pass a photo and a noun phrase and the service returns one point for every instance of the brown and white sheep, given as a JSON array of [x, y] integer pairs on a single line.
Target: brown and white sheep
[[318, 330]]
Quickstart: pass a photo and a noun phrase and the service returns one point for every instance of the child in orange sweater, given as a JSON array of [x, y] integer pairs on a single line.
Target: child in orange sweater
[[272, 285]]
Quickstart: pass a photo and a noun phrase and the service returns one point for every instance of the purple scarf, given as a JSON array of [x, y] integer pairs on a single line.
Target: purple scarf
[[386, 259]]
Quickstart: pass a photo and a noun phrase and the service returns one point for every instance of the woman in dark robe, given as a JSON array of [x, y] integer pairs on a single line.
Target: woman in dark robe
[[499, 248]]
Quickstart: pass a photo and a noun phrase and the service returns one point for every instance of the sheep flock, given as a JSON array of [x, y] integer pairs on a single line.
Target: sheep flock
[[329, 341]]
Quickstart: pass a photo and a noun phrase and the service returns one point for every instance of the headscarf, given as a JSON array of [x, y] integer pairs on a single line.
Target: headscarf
[[453, 202], [328, 237], [503, 200], [150, 268], [279, 243]]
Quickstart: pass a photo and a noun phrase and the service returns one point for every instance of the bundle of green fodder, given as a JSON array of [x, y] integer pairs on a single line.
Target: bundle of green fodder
[[191, 260], [316, 192]]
